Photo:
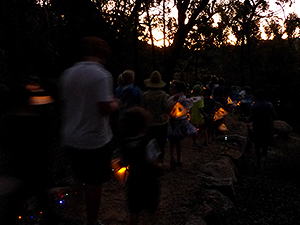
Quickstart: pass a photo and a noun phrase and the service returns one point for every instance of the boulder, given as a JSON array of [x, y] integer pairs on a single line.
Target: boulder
[[234, 153], [223, 185], [236, 127], [233, 145], [195, 220], [222, 168], [281, 128], [218, 209], [220, 175], [288, 146]]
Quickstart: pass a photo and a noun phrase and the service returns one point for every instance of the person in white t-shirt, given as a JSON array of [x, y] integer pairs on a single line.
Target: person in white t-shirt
[[87, 97]]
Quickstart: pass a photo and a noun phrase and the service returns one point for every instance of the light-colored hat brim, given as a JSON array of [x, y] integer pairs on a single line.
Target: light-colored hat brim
[[149, 84]]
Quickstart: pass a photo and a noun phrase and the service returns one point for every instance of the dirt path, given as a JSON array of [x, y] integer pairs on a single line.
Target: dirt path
[[265, 198], [178, 188], [268, 198]]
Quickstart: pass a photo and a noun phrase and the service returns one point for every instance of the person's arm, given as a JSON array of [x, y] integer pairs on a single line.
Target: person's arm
[[103, 94], [107, 108]]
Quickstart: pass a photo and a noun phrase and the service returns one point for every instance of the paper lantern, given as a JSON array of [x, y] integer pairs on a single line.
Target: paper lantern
[[219, 114], [229, 101], [121, 173], [178, 110], [223, 128], [38, 95], [40, 100]]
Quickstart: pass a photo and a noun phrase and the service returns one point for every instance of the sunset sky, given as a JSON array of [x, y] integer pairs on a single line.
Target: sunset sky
[[280, 12]]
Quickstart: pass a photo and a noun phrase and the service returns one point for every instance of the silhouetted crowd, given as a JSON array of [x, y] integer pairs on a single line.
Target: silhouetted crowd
[[145, 121]]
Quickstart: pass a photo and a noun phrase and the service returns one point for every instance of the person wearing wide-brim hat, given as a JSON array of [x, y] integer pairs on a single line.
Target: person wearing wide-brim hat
[[155, 100], [155, 80]]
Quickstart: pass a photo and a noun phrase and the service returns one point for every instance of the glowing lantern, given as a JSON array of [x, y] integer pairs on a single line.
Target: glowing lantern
[[178, 110], [121, 173], [223, 128], [229, 101], [33, 87], [220, 114], [40, 100], [39, 97]]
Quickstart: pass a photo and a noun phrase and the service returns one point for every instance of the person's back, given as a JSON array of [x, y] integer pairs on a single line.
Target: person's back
[[197, 117], [87, 98], [156, 102], [141, 154], [209, 103], [131, 95], [262, 115], [84, 127]]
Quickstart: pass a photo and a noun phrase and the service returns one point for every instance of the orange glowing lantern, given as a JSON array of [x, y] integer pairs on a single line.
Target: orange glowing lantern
[[220, 114], [40, 100], [178, 110], [223, 128], [229, 101], [33, 87], [38, 97], [121, 173]]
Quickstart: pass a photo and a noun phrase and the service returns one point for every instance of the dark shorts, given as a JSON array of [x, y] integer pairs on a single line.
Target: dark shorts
[[91, 166]]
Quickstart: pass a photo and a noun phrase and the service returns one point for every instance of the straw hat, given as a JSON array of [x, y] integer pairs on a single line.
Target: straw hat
[[197, 89], [155, 80]]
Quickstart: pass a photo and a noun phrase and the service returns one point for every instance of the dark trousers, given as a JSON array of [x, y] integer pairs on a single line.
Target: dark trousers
[[261, 143]]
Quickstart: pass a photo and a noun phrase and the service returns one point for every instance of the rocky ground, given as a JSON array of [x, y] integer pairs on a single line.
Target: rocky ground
[[215, 185]]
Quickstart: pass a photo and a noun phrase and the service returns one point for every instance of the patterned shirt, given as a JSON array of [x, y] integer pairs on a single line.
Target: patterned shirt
[[156, 102]]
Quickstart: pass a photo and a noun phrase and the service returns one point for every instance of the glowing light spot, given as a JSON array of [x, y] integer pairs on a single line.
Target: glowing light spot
[[20, 217], [60, 202], [122, 170]]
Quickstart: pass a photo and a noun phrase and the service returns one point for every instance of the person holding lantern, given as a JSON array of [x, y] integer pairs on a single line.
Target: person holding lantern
[[179, 125], [88, 100], [141, 154]]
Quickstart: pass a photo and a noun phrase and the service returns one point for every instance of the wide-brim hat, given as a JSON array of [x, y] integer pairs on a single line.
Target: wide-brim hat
[[197, 89], [154, 81]]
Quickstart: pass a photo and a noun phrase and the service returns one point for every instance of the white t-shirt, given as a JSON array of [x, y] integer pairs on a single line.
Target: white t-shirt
[[83, 86]]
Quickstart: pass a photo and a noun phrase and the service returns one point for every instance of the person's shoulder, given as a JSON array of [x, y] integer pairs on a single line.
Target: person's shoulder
[[137, 89]]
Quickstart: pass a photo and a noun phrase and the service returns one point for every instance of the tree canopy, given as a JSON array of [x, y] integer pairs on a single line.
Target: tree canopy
[[38, 37]]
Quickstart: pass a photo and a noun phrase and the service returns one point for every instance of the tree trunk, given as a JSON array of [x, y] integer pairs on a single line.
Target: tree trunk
[[181, 34], [134, 17], [151, 38]]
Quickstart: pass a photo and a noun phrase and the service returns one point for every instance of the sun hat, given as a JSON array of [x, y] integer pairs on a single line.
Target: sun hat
[[155, 80], [197, 89]]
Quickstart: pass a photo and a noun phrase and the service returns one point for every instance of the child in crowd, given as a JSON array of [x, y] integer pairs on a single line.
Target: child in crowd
[[179, 126], [129, 94], [197, 117], [142, 155], [209, 107]]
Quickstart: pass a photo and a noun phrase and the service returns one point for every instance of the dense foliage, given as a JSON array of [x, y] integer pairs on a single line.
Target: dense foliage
[[38, 38]]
